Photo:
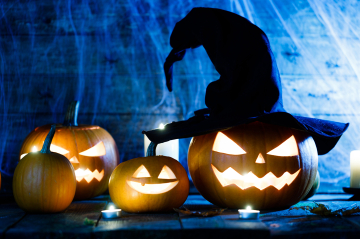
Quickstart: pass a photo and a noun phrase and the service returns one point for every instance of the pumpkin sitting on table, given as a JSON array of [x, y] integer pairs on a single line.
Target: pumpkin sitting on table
[[44, 182], [257, 164], [149, 184], [91, 150]]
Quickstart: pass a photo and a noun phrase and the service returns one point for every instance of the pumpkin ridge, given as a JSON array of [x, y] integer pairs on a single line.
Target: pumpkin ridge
[[39, 182], [91, 134]]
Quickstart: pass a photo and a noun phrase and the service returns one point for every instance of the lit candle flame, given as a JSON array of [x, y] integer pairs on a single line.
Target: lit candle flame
[[248, 208], [111, 207], [161, 126], [34, 149]]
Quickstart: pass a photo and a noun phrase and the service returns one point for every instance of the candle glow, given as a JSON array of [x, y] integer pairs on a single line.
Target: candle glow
[[355, 169], [169, 148], [111, 213], [248, 213]]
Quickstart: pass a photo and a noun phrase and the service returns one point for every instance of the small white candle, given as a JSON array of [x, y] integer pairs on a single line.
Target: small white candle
[[169, 148], [355, 169], [111, 213], [248, 213]]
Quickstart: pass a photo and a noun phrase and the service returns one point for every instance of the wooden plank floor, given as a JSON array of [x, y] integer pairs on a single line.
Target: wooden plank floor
[[15, 223]]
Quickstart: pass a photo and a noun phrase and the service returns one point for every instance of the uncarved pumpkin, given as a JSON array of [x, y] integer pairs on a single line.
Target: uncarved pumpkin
[[314, 188], [91, 150], [44, 182], [259, 165], [149, 184]]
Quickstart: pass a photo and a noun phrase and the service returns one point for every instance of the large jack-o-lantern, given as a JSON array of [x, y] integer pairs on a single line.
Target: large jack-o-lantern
[[91, 150], [149, 184], [259, 165]]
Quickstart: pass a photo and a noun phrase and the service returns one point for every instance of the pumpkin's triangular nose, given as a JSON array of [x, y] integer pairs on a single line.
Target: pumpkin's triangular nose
[[74, 160], [260, 159]]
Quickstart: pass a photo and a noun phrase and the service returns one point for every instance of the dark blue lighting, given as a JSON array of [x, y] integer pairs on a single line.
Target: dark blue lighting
[[109, 55]]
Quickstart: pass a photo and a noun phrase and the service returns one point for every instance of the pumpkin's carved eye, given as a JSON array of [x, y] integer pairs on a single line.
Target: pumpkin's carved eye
[[56, 149], [166, 173], [224, 144], [34, 149], [53, 148], [141, 172], [287, 148], [96, 151]]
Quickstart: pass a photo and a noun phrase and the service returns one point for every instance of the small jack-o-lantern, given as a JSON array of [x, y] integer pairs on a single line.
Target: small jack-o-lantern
[[149, 184], [91, 150], [259, 165]]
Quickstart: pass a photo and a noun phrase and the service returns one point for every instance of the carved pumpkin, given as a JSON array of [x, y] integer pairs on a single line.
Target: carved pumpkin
[[44, 182], [149, 184], [91, 150], [259, 165]]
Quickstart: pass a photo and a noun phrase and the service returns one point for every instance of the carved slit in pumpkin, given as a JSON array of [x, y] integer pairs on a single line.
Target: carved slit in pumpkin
[[88, 175], [153, 188], [230, 176]]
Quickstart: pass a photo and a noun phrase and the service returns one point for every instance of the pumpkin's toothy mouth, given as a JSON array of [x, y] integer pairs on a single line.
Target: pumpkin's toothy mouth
[[88, 175], [152, 188], [230, 176]]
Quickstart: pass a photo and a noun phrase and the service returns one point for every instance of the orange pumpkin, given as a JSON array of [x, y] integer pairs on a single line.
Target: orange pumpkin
[[259, 165], [149, 184], [91, 150], [44, 182]]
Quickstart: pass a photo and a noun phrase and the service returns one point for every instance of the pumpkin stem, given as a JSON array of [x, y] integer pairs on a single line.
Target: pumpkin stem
[[72, 114], [151, 150], [46, 147]]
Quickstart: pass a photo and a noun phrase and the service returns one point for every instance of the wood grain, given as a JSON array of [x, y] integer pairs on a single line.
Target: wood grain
[[69, 224], [14, 223], [10, 214], [140, 226]]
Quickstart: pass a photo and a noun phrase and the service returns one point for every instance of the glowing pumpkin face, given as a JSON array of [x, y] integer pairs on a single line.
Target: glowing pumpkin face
[[149, 184], [259, 165], [143, 183], [90, 149], [82, 173]]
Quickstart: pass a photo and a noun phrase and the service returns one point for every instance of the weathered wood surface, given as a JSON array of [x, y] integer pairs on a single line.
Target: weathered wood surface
[[68, 224], [14, 223], [303, 224], [140, 226], [10, 214]]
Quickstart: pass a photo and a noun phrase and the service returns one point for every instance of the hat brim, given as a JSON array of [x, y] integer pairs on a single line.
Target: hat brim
[[325, 133]]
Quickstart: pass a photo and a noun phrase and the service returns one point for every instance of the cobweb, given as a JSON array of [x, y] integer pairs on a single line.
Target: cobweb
[[109, 55]]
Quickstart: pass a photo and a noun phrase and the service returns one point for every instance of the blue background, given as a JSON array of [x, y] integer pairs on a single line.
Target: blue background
[[109, 55]]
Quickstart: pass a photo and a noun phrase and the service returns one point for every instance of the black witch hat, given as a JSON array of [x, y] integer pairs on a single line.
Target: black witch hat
[[249, 88]]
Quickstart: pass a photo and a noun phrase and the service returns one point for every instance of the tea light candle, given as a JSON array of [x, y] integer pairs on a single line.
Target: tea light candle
[[111, 213], [248, 213], [355, 169], [169, 148]]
